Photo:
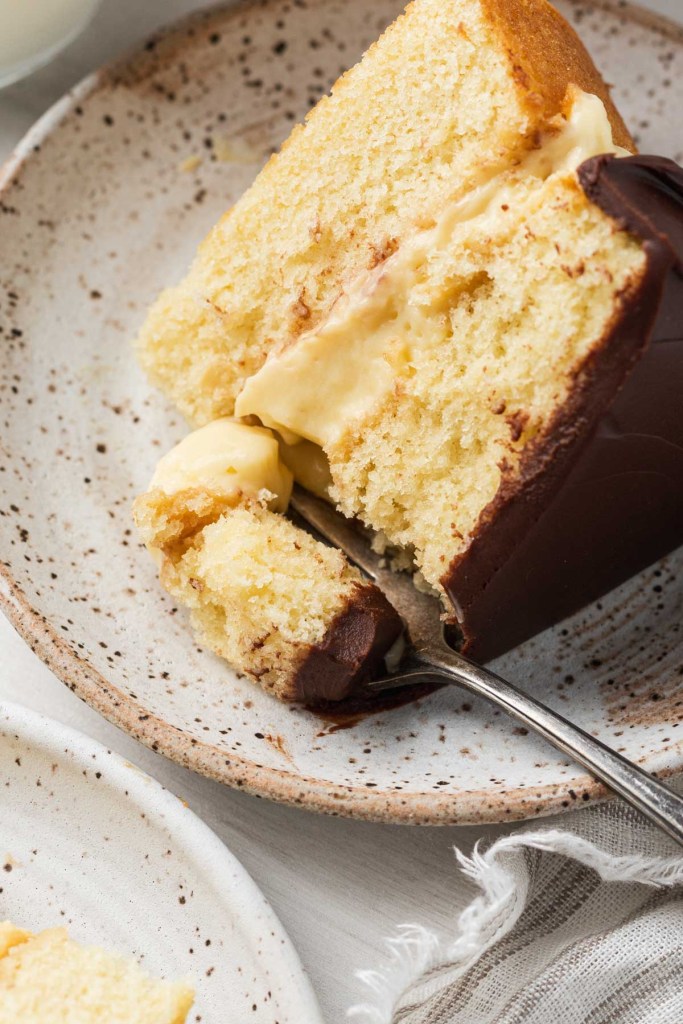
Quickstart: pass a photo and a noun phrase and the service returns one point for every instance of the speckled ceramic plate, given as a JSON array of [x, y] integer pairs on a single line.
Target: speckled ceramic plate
[[90, 842], [102, 205]]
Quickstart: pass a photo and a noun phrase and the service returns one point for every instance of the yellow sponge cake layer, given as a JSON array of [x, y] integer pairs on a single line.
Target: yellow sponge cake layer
[[454, 91], [48, 979]]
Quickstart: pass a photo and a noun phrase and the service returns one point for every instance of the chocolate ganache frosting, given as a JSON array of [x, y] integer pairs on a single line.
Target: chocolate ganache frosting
[[602, 493], [352, 652]]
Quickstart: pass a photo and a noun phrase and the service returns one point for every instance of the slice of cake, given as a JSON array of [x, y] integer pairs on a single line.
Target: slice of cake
[[449, 309], [285, 609], [49, 979]]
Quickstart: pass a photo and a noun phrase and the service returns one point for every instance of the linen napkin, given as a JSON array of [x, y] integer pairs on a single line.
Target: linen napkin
[[578, 925]]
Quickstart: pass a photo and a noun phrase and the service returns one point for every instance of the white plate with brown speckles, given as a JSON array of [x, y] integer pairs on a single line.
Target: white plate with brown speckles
[[88, 841], [102, 205]]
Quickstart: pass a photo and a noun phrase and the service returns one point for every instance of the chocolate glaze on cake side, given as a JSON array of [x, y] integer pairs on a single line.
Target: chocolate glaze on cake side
[[602, 494], [352, 650]]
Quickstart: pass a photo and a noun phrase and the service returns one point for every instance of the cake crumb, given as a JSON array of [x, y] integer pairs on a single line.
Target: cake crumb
[[190, 163], [235, 151]]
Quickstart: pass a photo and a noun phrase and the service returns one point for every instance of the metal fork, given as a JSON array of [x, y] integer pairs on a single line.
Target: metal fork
[[429, 659]]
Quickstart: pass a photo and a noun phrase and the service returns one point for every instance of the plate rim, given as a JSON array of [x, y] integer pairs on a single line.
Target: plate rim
[[54, 738], [377, 805]]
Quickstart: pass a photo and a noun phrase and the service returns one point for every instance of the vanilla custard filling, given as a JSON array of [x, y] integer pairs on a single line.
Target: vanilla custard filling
[[341, 370], [308, 463], [230, 459]]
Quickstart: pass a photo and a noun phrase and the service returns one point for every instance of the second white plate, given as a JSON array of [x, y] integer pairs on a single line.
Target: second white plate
[[90, 842]]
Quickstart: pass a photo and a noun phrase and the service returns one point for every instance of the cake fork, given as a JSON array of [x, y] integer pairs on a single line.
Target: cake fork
[[429, 659]]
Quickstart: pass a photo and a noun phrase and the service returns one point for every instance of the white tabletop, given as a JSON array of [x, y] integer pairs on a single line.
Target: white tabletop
[[339, 887]]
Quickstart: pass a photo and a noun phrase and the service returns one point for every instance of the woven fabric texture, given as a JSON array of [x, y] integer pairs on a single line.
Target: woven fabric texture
[[581, 924]]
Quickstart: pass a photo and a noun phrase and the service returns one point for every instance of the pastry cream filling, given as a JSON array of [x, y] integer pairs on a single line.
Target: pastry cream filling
[[227, 458], [309, 465], [342, 369]]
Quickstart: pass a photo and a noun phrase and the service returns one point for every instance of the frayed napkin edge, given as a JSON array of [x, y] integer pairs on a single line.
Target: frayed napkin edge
[[415, 949]]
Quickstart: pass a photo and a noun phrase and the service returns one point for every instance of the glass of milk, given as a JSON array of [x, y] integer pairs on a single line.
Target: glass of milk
[[33, 31]]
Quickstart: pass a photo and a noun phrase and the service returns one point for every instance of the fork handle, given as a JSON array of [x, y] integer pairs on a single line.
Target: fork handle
[[656, 801]]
